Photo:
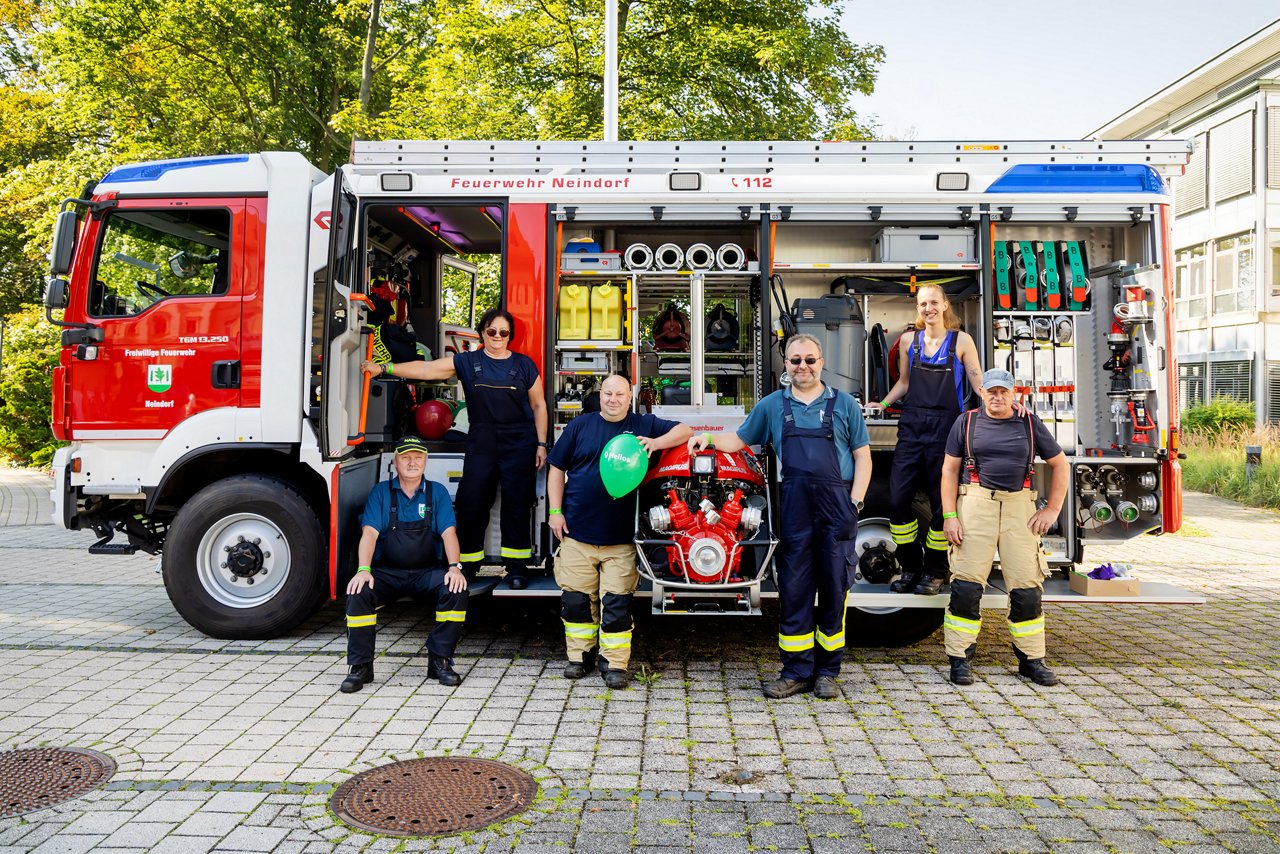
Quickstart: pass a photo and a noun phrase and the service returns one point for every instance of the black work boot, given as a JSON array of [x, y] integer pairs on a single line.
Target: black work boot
[[578, 669], [906, 582], [1034, 669], [781, 687], [441, 668], [961, 671], [357, 678], [615, 679], [929, 585]]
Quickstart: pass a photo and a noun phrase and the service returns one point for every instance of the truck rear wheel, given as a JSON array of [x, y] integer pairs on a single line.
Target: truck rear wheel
[[877, 565], [244, 559], [891, 626]]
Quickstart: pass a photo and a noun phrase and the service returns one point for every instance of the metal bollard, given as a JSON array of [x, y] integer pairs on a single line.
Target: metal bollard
[[1252, 459]]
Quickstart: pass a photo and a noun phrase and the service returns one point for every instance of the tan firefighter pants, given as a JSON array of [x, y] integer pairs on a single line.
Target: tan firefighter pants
[[594, 573], [992, 519]]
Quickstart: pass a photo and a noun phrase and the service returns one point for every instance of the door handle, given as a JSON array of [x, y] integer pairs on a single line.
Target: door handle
[[226, 374]]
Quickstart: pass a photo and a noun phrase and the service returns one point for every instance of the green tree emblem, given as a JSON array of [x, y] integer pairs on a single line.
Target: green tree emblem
[[159, 377]]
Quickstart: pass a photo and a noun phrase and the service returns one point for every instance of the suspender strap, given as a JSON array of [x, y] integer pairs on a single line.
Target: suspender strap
[[1031, 459], [394, 513], [971, 462]]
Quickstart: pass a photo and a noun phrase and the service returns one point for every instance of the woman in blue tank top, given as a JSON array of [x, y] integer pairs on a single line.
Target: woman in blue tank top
[[933, 359]]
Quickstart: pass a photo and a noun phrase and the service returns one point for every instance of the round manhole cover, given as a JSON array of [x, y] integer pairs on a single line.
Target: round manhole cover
[[435, 795], [43, 776]]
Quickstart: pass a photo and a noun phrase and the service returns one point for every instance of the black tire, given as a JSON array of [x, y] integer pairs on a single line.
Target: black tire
[[897, 627], [281, 569]]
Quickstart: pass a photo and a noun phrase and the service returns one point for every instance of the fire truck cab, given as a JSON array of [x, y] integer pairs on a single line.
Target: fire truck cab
[[216, 311]]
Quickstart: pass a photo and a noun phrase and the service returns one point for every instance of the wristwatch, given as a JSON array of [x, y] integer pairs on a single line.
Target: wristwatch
[[458, 565], [546, 445], [858, 505]]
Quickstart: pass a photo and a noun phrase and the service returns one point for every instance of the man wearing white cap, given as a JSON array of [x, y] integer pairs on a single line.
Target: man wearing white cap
[[992, 505]]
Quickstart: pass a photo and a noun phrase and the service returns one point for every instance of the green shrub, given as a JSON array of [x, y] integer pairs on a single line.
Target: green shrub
[[1219, 414], [26, 387], [1215, 464]]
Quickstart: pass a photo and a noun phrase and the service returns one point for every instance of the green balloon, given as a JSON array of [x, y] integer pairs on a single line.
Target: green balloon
[[623, 464]]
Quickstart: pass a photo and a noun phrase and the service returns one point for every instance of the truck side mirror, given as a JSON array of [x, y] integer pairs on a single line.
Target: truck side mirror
[[64, 242], [55, 294]]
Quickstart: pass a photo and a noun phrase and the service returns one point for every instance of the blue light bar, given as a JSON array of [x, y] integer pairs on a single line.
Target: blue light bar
[[1079, 178], [154, 171]]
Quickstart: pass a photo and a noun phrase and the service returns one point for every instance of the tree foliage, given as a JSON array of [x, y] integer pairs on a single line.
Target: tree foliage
[[88, 84], [26, 384]]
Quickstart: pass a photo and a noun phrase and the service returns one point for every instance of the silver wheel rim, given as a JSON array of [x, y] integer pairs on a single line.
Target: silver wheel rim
[[220, 583], [871, 532]]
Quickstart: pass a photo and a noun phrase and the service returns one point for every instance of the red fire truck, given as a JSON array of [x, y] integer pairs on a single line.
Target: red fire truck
[[215, 311]]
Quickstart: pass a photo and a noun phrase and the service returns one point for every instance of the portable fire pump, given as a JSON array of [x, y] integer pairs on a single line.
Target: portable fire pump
[[709, 508]]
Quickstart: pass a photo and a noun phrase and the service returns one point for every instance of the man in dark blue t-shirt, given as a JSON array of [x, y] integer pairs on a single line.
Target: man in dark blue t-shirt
[[988, 504], [596, 564]]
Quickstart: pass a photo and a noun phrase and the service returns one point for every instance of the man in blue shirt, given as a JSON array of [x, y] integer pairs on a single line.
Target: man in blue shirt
[[596, 564], [824, 455], [407, 532]]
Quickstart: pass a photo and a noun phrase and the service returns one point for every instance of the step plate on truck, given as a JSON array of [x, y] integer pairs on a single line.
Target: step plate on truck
[[878, 595]]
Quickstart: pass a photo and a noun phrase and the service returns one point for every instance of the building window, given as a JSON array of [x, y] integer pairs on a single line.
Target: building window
[[1231, 161], [1190, 189], [1273, 147], [1233, 380], [1233, 274], [1191, 384], [1273, 391], [1273, 239], [1190, 270]]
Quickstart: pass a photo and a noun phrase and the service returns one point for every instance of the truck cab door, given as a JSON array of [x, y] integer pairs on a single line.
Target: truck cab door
[[341, 383], [166, 289]]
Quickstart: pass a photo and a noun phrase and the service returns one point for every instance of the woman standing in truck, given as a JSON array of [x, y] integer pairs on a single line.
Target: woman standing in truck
[[506, 440], [933, 359]]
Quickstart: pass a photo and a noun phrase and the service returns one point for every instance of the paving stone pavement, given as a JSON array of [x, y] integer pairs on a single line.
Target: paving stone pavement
[[1163, 735]]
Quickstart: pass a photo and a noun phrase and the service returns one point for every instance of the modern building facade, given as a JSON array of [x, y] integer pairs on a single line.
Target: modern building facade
[[1226, 235]]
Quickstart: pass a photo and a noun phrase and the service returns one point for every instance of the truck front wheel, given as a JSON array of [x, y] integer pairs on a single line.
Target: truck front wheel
[[244, 559]]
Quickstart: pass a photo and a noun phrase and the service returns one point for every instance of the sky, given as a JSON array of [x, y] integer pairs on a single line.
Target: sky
[[1002, 69]]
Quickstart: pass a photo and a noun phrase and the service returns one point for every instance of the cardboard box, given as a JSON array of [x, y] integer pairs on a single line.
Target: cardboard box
[[1086, 586]]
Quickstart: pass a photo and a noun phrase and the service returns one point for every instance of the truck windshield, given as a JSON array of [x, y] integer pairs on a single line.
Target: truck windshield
[[148, 256]]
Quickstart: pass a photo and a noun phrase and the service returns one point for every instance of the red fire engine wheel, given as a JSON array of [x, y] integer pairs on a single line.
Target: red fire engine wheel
[[244, 558]]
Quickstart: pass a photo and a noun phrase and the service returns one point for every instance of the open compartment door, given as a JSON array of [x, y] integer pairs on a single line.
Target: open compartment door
[[342, 407]]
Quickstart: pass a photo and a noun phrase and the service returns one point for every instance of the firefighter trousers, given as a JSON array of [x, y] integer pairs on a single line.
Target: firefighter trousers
[[597, 584], [993, 519], [816, 557], [917, 467], [390, 585], [497, 458]]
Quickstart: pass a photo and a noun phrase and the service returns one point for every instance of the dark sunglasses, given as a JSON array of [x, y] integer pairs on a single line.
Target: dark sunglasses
[[497, 333], [808, 360]]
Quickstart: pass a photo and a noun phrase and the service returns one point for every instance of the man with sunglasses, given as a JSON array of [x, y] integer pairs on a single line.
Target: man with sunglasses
[[824, 454]]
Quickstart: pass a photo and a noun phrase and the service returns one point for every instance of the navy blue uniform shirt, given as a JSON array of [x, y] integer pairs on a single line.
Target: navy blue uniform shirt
[[764, 424], [517, 369], [377, 509], [593, 515]]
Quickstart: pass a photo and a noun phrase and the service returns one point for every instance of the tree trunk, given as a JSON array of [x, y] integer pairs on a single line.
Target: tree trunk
[[366, 68]]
